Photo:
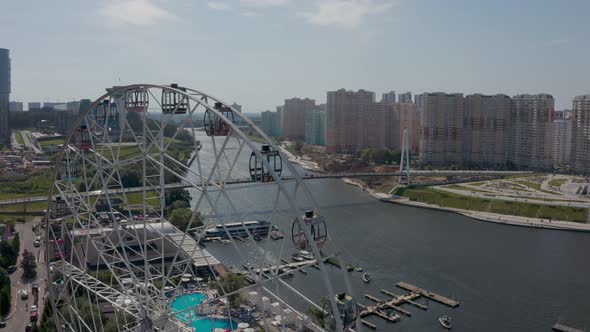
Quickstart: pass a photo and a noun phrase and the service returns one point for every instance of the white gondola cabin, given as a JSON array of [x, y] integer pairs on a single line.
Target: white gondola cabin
[[174, 102], [136, 101], [316, 225], [258, 171], [214, 124]]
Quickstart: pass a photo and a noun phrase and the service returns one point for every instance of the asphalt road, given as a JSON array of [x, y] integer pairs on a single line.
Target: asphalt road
[[21, 308]]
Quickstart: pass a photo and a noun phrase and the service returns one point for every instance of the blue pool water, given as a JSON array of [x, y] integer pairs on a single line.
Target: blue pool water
[[189, 317]]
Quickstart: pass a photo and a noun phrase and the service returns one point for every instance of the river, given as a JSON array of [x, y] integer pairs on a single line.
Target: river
[[507, 278]]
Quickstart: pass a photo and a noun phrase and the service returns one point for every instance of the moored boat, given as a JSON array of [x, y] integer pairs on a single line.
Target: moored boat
[[445, 321], [366, 277]]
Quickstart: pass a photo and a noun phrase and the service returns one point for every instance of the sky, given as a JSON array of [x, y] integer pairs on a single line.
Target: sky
[[260, 52]]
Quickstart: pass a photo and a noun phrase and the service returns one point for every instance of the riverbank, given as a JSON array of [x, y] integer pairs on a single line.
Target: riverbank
[[477, 215], [306, 164], [498, 218]]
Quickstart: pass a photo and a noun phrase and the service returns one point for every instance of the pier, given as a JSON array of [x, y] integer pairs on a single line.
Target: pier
[[433, 296], [385, 308], [295, 265]]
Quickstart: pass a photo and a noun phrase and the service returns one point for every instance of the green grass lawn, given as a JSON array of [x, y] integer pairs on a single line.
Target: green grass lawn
[[51, 142], [459, 187], [557, 182], [19, 138], [37, 185], [441, 198], [30, 207]]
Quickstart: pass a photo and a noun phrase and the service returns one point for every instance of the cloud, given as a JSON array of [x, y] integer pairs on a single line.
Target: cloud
[[263, 3], [136, 12], [218, 5], [344, 13], [555, 42], [251, 14]]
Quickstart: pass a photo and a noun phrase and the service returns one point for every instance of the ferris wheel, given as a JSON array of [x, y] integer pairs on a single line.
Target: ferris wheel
[[172, 211]]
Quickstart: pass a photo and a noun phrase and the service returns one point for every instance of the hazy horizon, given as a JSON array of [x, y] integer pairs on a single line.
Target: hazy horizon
[[260, 52]]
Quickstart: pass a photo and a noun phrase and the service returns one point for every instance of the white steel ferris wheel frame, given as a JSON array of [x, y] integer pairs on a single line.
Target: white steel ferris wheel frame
[[153, 314]]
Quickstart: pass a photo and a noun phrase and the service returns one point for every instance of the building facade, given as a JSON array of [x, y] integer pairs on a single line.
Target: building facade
[[315, 127], [562, 141], [293, 117], [441, 132], [15, 106], [580, 155], [388, 97], [4, 94], [409, 118], [376, 129], [346, 118], [270, 122], [531, 132], [405, 97], [486, 129], [34, 106]]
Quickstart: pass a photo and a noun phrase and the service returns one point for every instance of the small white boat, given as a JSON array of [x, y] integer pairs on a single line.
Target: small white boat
[[445, 321], [366, 277]]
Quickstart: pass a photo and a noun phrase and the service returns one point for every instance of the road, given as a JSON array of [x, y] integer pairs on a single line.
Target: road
[[20, 313], [29, 144]]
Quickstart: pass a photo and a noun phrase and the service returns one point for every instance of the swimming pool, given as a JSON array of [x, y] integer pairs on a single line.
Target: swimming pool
[[189, 317]]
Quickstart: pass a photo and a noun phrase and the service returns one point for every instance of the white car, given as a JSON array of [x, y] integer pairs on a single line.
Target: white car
[[24, 294], [34, 307]]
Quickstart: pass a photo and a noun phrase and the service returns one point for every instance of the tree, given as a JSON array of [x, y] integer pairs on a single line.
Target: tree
[[178, 194], [181, 217], [5, 293], [29, 265], [177, 205], [229, 283]]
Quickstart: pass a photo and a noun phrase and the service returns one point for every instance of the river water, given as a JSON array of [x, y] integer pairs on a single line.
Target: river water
[[507, 278]]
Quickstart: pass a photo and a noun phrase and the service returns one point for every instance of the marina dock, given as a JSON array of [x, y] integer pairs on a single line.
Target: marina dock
[[388, 309], [295, 265], [433, 296]]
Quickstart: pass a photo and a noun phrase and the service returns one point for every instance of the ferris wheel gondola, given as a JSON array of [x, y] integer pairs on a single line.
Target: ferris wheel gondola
[[317, 228], [214, 124], [261, 173], [174, 102]]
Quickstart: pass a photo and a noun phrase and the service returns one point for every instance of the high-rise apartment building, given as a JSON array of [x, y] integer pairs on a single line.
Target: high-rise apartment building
[[34, 106], [315, 127], [531, 132], [4, 94], [293, 117], [271, 123], [405, 97], [580, 155], [486, 129], [15, 106], [377, 126], [441, 128], [346, 120], [388, 97], [562, 140], [409, 118]]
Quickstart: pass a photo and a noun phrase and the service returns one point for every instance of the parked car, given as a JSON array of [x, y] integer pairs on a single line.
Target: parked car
[[29, 327], [34, 307], [24, 294], [34, 316], [37, 243], [11, 269]]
